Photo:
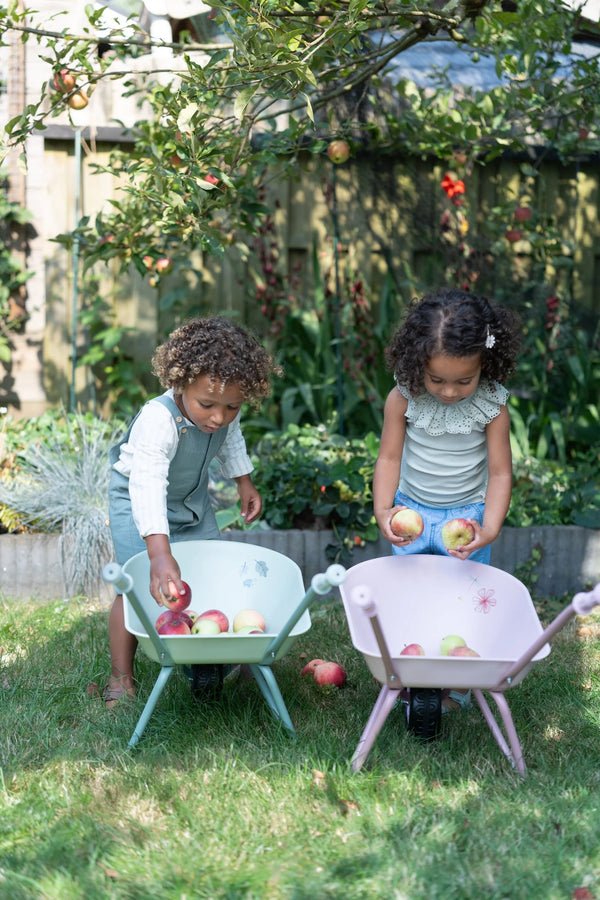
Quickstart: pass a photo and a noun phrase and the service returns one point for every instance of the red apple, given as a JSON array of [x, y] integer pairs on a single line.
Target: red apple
[[179, 602], [163, 265], [407, 523], [211, 179], [248, 617], [457, 533], [205, 626], [522, 213], [513, 235], [175, 626], [450, 642], [412, 650], [64, 81], [462, 651], [310, 667], [217, 616], [148, 262], [165, 616], [330, 674], [338, 152]]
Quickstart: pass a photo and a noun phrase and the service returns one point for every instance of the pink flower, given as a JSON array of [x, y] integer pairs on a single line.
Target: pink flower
[[485, 600]]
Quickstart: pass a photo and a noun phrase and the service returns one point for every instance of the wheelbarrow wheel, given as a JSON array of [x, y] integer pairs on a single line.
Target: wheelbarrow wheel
[[206, 681], [424, 713]]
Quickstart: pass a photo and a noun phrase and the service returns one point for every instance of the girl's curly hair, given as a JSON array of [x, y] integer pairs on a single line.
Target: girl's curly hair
[[217, 347], [454, 323]]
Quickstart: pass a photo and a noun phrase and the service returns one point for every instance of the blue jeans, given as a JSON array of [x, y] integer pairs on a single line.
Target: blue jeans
[[433, 520]]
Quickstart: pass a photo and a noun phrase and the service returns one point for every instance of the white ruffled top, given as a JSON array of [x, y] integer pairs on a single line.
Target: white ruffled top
[[478, 410], [444, 460]]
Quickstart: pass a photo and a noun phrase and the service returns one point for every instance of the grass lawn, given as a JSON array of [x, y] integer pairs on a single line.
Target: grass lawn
[[220, 803]]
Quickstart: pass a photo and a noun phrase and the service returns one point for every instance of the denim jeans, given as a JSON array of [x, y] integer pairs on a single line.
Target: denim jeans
[[433, 521]]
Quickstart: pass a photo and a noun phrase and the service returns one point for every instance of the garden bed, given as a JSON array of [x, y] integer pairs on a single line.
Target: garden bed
[[552, 559]]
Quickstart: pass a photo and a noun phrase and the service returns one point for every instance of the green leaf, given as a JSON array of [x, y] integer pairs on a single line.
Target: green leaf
[[242, 100]]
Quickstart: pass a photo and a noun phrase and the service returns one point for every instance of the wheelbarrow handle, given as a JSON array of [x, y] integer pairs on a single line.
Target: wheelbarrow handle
[[123, 582], [321, 583], [584, 602]]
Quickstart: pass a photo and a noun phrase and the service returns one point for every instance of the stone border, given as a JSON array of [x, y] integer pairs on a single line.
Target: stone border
[[30, 563]]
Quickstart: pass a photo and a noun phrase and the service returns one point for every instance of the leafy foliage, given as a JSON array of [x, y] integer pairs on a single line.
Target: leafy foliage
[[310, 477], [57, 480], [12, 272]]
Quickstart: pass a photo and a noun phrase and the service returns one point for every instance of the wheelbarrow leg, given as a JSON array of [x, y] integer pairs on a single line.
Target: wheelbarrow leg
[[381, 710], [270, 690], [513, 753], [163, 676]]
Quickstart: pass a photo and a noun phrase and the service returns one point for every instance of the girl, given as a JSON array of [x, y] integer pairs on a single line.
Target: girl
[[159, 481], [445, 447], [445, 444]]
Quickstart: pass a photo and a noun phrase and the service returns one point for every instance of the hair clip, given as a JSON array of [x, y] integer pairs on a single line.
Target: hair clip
[[490, 340]]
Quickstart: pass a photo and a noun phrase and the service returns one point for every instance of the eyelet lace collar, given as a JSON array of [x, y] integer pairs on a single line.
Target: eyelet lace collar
[[437, 418]]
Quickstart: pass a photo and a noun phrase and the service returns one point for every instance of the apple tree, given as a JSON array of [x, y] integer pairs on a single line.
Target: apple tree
[[276, 79]]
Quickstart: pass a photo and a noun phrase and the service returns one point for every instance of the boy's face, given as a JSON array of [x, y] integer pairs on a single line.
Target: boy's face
[[450, 379], [209, 403]]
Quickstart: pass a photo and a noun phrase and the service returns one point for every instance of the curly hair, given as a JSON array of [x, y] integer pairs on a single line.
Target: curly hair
[[217, 347], [454, 323]]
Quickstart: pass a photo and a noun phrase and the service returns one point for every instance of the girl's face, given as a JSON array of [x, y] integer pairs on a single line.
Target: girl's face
[[209, 403], [452, 378]]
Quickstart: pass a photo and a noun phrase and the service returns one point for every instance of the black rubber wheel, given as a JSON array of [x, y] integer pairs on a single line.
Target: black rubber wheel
[[206, 682], [424, 713]]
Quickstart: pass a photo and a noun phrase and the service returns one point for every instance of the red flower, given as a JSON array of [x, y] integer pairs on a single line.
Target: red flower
[[452, 187]]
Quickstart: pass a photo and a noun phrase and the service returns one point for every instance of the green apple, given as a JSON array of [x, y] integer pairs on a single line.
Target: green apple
[[449, 642]]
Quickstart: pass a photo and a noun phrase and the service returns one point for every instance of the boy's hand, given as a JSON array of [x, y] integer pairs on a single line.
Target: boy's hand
[[250, 499]]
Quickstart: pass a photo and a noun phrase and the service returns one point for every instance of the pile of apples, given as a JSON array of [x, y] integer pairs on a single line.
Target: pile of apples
[[179, 619], [451, 645], [326, 674]]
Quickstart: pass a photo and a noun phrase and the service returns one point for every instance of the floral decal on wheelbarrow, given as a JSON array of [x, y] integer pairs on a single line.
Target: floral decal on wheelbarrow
[[250, 577], [484, 600]]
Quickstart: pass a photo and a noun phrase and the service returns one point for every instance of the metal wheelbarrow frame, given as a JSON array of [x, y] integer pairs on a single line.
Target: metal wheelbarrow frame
[[244, 566], [368, 596]]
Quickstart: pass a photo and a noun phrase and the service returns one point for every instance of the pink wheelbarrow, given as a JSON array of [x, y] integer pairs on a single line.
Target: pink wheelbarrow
[[395, 601], [229, 576]]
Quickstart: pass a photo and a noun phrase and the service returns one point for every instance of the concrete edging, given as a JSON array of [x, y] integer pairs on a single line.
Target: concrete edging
[[30, 566]]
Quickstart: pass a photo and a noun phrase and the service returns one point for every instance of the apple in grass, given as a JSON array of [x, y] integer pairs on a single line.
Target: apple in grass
[[178, 602], [217, 616], [412, 650], [451, 641], [457, 533], [248, 617], [329, 674], [407, 523], [310, 667]]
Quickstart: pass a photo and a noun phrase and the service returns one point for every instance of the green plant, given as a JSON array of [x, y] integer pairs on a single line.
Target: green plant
[[60, 483], [13, 274], [312, 478]]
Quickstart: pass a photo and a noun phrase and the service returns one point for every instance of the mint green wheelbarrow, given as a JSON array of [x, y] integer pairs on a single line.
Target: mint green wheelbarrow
[[229, 576]]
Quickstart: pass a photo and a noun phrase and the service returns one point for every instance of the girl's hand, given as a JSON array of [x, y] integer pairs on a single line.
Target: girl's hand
[[384, 518], [481, 539]]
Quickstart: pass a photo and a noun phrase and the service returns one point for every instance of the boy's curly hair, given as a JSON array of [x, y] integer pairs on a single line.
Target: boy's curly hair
[[217, 347], [454, 323]]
